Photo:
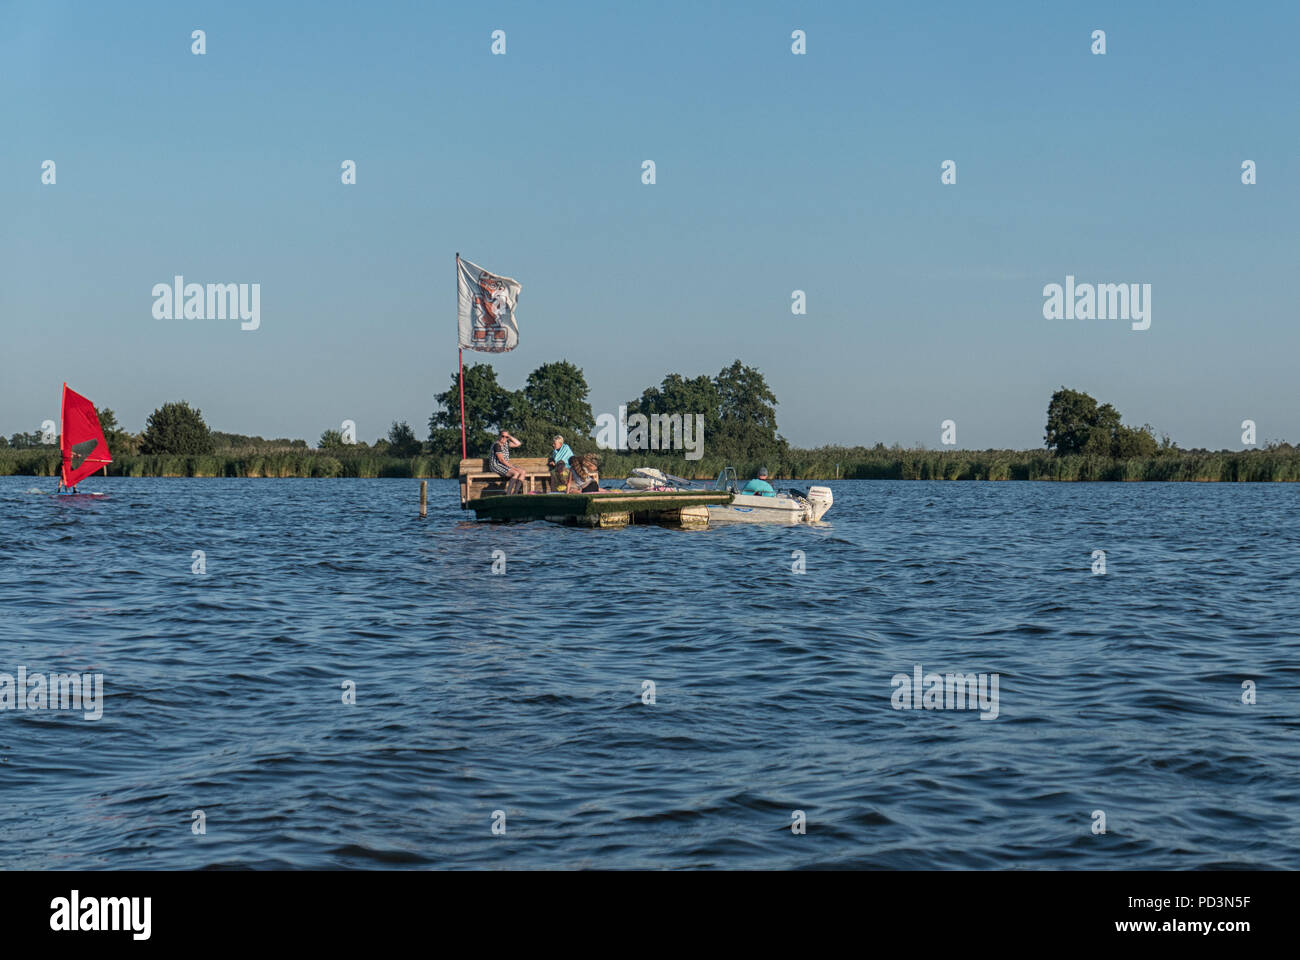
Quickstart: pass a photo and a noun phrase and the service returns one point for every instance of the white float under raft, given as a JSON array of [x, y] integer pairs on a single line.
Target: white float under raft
[[617, 508]]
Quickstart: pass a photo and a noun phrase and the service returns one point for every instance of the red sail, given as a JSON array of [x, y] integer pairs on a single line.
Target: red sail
[[82, 442]]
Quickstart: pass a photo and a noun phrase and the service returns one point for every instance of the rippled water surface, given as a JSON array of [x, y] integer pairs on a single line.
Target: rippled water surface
[[522, 692]]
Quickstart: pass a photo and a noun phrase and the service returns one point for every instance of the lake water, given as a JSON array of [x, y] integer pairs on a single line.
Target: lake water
[[522, 692]]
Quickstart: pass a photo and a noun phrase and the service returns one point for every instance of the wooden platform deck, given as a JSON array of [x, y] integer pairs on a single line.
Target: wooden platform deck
[[476, 480], [617, 509]]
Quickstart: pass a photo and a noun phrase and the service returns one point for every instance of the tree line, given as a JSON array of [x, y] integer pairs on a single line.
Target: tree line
[[738, 407]]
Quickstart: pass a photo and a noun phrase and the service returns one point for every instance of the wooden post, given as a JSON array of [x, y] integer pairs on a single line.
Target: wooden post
[[424, 498]]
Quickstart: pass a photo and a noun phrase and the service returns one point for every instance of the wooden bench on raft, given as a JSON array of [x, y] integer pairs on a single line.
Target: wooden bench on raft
[[476, 480]]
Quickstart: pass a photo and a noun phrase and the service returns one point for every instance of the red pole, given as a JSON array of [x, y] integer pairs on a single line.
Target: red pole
[[464, 452], [460, 377]]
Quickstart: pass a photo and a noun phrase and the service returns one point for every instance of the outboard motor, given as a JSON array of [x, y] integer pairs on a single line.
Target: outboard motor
[[821, 499]]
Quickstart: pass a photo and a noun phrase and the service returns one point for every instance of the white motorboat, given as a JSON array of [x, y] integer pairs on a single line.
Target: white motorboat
[[788, 506], [648, 478]]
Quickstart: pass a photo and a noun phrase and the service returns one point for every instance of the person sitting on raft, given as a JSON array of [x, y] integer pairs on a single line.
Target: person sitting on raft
[[558, 462], [585, 474], [499, 462], [759, 487]]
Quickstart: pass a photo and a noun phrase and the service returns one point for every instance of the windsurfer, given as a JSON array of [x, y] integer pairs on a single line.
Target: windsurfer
[[81, 442]]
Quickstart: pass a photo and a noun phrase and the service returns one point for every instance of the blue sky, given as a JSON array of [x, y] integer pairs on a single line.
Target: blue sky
[[775, 172]]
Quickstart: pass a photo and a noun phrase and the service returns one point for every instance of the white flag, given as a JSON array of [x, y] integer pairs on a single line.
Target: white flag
[[486, 309]]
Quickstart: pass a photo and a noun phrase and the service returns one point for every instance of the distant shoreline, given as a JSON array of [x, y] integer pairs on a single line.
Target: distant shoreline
[[1269, 465]]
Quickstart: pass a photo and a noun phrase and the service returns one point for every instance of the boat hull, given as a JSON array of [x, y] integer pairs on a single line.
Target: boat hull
[[738, 513], [783, 508]]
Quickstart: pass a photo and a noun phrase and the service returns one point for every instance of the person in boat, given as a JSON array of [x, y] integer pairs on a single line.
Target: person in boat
[[585, 474], [759, 487], [558, 462], [499, 462]]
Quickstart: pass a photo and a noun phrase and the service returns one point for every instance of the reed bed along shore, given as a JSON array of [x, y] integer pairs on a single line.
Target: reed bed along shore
[[886, 464], [891, 464], [298, 463]]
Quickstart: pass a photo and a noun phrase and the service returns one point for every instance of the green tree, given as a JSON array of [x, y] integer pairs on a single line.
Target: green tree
[[1102, 432], [330, 440], [1135, 442], [487, 409], [738, 407], [1071, 415], [26, 441], [746, 416], [557, 394], [176, 428], [1076, 423], [240, 441], [401, 440], [677, 395], [553, 401], [119, 440]]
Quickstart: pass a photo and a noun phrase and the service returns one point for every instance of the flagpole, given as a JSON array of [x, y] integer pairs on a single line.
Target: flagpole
[[460, 376], [464, 453]]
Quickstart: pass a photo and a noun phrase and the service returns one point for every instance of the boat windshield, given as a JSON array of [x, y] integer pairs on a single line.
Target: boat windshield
[[727, 480]]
